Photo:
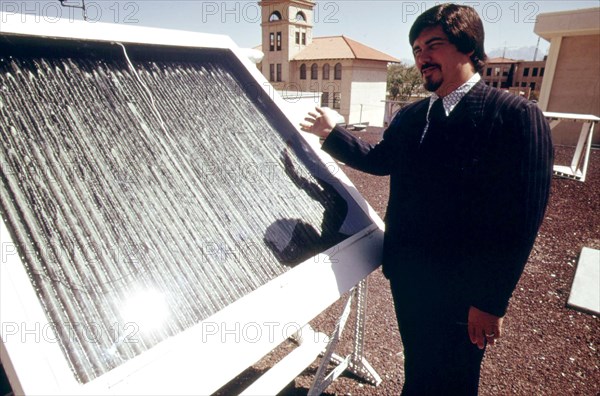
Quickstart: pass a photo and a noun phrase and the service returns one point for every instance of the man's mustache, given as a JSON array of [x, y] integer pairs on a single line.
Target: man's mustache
[[427, 65]]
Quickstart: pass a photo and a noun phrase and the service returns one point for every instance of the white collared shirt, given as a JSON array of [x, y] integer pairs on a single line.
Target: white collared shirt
[[452, 99]]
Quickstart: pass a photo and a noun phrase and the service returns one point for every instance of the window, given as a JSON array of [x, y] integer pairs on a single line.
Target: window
[[523, 84], [542, 72], [271, 41], [325, 99], [275, 16], [279, 72], [535, 72], [488, 71], [303, 72], [314, 72], [496, 71], [337, 98], [504, 72], [297, 37], [271, 72], [300, 17], [326, 71], [337, 71], [526, 72], [532, 86], [303, 38], [495, 84], [278, 41]]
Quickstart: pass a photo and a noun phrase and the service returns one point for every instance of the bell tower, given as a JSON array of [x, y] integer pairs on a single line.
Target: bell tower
[[286, 30]]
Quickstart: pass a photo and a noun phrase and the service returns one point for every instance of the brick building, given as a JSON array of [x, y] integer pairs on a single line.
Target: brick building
[[518, 76]]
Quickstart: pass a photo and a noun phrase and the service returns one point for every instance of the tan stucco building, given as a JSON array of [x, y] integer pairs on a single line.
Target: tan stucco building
[[572, 77], [342, 74]]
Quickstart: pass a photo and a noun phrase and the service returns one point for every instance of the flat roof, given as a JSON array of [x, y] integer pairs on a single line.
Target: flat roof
[[568, 23]]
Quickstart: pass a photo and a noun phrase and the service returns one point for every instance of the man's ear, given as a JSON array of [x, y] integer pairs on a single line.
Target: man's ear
[[474, 60]]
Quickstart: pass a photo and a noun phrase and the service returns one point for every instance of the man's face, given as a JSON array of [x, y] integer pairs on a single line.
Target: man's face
[[443, 67]]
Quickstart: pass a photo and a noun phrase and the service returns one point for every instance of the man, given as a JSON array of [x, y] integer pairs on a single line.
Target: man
[[470, 172]]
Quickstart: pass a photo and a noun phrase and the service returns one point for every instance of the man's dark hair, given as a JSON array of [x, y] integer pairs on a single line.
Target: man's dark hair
[[461, 24]]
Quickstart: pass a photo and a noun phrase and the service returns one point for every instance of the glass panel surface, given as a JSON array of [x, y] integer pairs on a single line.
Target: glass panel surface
[[144, 202]]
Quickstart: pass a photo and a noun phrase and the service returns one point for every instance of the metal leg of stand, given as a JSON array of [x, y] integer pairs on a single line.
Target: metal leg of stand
[[578, 168], [355, 362], [586, 158], [358, 364]]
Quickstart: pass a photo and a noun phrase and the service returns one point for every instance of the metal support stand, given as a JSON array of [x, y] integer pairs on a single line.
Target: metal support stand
[[578, 168], [355, 362]]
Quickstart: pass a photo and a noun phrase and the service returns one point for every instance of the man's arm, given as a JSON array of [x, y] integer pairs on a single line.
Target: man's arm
[[509, 211], [345, 147]]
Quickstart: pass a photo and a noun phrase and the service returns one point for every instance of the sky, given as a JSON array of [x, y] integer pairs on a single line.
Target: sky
[[381, 24]]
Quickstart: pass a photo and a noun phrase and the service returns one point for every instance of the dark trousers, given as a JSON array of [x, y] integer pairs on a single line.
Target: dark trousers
[[439, 358]]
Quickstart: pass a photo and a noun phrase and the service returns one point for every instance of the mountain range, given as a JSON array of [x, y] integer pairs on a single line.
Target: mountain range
[[521, 53]]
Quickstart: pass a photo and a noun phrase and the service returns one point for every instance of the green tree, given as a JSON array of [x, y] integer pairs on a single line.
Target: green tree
[[403, 81]]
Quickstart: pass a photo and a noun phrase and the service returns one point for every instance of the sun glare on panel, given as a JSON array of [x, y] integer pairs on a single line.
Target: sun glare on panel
[[147, 309]]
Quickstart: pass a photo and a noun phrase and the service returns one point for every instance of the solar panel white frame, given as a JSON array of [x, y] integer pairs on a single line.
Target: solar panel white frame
[[206, 356]]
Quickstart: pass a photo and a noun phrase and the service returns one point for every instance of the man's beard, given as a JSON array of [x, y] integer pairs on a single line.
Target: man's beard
[[432, 85], [428, 82]]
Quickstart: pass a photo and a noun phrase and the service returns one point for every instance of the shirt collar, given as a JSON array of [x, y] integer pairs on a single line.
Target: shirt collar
[[452, 99]]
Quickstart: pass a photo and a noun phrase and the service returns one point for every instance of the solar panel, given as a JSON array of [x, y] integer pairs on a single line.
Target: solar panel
[[147, 187]]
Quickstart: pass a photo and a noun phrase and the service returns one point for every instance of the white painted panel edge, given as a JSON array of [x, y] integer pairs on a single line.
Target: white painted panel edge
[[29, 25]]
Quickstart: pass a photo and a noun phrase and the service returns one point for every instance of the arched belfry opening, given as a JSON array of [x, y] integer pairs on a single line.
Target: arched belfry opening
[[286, 31]]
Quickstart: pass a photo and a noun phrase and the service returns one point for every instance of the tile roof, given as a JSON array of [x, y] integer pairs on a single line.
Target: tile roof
[[341, 47]]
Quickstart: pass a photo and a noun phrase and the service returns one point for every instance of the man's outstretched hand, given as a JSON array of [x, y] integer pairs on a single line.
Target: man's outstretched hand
[[319, 122]]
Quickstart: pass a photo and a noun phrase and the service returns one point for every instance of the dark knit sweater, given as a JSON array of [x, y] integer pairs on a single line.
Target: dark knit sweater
[[465, 206]]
